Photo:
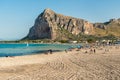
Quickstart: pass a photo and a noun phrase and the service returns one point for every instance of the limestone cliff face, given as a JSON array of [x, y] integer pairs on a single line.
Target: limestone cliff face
[[48, 25]]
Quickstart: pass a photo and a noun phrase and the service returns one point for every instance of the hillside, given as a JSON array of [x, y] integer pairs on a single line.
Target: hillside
[[50, 25], [111, 27]]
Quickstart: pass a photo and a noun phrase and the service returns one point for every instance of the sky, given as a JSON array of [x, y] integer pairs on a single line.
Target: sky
[[18, 16]]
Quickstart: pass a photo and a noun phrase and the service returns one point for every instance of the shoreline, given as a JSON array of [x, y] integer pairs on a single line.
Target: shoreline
[[24, 49], [47, 54], [74, 64]]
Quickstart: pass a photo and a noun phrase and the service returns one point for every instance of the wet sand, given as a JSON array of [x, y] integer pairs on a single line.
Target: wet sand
[[73, 65]]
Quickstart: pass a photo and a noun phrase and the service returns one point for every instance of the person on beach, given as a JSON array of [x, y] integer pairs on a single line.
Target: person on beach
[[94, 51], [91, 50], [50, 51], [86, 51], [6, 56], [65, 50]]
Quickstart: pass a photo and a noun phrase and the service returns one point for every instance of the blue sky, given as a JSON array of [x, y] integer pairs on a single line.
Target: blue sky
[[17, 16]]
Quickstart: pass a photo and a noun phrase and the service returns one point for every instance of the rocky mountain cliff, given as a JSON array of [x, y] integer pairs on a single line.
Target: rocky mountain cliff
[[50, 25], [53, 26]]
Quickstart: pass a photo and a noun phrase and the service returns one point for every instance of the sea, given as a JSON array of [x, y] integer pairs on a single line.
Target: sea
[[20, 49]]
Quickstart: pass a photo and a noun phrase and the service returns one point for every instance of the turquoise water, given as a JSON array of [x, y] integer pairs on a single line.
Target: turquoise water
[[27, 49]]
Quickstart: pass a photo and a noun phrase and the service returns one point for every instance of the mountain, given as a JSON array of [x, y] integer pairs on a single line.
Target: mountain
[[112, 27], [51, 25]]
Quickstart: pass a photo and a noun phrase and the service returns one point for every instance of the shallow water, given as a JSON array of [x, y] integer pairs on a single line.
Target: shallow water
[[27, 49]]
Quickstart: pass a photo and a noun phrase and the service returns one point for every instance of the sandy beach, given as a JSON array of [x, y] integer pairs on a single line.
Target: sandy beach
[[73, 65]]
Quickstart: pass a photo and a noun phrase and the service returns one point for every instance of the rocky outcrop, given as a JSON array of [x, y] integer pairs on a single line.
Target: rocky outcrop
[[110, 23], [112, 27], [100, 25], [48, 25]]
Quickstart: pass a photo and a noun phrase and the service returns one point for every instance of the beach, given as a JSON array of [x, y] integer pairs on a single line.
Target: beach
[[103, 64]]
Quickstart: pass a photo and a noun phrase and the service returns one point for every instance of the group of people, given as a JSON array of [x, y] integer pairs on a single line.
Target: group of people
[[93, 50], [87, 49], [49, 51]]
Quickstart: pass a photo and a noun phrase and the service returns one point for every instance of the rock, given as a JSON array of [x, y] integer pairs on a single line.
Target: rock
[[100, 25], [48, 25]]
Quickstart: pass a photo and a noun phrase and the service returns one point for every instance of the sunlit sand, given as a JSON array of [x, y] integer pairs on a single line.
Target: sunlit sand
[[66, 65]]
